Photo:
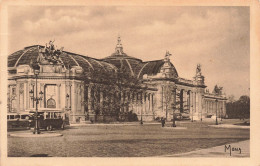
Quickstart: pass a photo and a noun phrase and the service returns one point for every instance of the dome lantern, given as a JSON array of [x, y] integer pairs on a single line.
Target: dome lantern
[[119, 47]]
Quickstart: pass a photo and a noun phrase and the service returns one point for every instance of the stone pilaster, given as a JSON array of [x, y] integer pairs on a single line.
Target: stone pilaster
[[90, 109], [58, 96], [73, 101]]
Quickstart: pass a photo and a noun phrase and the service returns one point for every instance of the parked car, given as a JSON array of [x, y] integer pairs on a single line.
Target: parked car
[[49, 120], [17, 120]]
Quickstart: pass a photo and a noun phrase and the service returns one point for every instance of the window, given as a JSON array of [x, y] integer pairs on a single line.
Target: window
[[51, 103]]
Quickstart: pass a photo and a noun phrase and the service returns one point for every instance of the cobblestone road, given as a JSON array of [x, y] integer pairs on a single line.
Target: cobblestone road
[[126, 141]]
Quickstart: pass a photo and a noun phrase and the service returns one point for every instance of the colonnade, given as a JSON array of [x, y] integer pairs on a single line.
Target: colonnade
[[102, 101], [215, 106]]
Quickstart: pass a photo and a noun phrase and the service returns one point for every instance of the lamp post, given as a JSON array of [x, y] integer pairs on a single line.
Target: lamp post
[[36, 69], [67, 97], [216, 111]]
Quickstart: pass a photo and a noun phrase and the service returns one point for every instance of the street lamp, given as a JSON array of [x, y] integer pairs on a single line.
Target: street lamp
[[67, 97], [216, 111], [36, 69]]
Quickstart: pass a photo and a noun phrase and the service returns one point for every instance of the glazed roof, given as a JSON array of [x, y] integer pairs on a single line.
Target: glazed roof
[[31, 53], [136, 67]]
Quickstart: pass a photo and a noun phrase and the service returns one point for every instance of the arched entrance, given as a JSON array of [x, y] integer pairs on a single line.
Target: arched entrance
[[51, 103]]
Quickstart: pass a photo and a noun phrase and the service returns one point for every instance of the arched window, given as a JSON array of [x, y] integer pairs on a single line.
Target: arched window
[[51, 103]]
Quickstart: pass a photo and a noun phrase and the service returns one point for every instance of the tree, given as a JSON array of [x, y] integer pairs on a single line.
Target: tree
[[244, 103], [240, 108], [169, 101], [114, 86]]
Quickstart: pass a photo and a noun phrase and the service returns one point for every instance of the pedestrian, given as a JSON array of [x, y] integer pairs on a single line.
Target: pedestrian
[[163, 122]]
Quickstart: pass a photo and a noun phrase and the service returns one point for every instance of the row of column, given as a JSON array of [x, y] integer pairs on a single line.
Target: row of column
[[213, 107], [138, 102], [190, 102]]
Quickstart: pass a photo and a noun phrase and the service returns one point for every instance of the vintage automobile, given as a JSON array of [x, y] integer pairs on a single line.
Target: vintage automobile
[[17, 120], [48, 120]]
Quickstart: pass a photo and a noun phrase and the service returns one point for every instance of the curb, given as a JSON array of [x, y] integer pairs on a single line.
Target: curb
[[31, 135], [127, 124], [230, 126], [175, 128]]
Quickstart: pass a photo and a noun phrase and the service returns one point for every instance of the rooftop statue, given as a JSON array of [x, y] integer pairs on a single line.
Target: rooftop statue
[[119, 47], [198, 70], [167, 56], [217, 90], [49, 54]]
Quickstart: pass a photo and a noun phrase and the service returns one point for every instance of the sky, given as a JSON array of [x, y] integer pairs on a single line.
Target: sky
[[216, 37]]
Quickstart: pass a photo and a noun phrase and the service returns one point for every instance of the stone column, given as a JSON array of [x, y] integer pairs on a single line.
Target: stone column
[[136, 102], [200, 102], [73, 102], [185, 103], [224, 108], [90, 109], [70, 98], [211, 107], [181, 100], [206, 106], [190, 102], [162, 99], [143, 103], [58, 95], [21, 97], [18, 96], [149, 103], [82, 99], [27, 97], [152, 105], [195, 102], [174, 102]]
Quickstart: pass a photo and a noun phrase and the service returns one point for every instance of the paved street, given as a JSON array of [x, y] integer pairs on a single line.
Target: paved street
[[127, 140]]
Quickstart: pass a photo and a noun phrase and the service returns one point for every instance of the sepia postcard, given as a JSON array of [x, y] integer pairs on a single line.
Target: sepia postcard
[[130, 83]]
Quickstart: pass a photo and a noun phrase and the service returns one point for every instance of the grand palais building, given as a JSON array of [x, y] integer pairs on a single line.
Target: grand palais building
[[86, 88]]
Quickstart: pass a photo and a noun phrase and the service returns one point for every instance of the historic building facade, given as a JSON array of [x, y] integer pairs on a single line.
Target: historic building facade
[[66, 81]]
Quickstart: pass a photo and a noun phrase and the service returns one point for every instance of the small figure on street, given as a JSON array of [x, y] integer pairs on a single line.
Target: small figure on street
[[163, 122], [141, 122]]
